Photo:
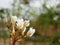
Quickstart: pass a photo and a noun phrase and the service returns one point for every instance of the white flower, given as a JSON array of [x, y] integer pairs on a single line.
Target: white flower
[[30, 32], [13, 19], [20, 23], [26, 23]]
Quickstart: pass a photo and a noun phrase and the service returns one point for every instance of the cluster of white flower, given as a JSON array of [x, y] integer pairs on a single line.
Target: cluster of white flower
[[20, 25]]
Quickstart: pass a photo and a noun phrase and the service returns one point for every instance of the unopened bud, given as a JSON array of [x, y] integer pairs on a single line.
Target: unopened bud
[[30, 32], [13, 19]]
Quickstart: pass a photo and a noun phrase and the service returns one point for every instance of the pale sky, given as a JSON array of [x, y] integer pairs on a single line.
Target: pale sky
[[5, 3], [37, 3], [34, 3], [52, 3]]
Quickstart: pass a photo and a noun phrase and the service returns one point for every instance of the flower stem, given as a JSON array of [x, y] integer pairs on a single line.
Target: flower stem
[[14, 42]]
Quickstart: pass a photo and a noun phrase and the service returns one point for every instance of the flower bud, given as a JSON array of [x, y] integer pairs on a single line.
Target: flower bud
[[30, 32], [26, 23]]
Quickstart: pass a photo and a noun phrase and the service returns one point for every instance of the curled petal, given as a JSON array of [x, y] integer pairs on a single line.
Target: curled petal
[[26, 23]]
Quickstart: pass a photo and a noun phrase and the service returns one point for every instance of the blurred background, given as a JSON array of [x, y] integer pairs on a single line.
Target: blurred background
[[44, 16]]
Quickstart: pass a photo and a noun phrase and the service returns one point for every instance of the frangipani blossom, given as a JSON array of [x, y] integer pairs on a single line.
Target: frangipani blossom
[[30, 32], [13, 19]]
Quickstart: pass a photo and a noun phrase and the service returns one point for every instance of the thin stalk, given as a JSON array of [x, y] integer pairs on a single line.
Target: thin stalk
[[14, 42]]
